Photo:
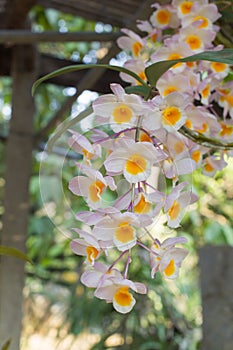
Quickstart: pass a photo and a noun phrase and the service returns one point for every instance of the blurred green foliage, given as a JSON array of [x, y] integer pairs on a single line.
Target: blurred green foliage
[[170, 317]]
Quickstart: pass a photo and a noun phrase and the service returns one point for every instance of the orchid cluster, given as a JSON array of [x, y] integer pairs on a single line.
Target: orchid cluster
[[134, 135]]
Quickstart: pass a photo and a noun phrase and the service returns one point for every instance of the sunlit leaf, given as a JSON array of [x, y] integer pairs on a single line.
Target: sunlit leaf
[[156, 70], [74, 68], [14, 252]]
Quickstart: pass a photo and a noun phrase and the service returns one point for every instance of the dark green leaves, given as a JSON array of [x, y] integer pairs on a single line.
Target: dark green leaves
[[74, 68], [14, 252], [156, 70]]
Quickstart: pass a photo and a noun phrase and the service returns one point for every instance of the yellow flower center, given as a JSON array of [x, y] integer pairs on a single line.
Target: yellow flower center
[[87, 155], [95, 190], [144, 137], [229, 99], [203, 21], [218, 66], [142, 75], [142, 207], [196, 155], [170, 269], [136, 164], [205, 127], [122, 114], [169, 90], [163, 17], [123, 297], [188, 124], [194, 42], [124, 232], [174, 211], [226, 130], [92, 253], [208, 167], [206, 91], [179, 147], [186, 7], [137, 46], [171, 115]]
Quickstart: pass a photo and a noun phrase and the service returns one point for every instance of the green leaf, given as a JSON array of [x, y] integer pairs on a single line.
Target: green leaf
[[6, 345], [14, 252], [156, 70], [74, 68], [139, 90]]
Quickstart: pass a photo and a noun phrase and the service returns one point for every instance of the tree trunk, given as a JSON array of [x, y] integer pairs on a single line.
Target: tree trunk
[[16, 196], [217, 297]]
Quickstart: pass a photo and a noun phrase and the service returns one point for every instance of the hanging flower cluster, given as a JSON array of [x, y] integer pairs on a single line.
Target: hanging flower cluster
[[149, 132]]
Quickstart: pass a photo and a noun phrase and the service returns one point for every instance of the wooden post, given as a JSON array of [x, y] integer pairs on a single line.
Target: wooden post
[[217, 297], [16, 197]]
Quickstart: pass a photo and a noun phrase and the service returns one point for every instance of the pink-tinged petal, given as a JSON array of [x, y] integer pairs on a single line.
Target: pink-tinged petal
[[105, 292], [81, 140], [140, 288], [104, 229], [89, 217], [185, 166], [110, 183], [91, 173], [79, 185], [91, 278], [123, 202], [89, 238], [118, 91], [114, 163], [79, 246], [171, 242]]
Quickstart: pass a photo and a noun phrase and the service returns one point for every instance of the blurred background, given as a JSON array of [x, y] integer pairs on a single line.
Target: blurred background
[[44, 305]]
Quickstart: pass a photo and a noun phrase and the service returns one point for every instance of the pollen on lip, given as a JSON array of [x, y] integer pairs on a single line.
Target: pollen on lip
[[169, 90], [218, 66], [206, 91], [194, 42], [122, 296], [174, 211], [137, 46], [124, 232], [171, 115], [95, 190], [226, 130], [186, 7], [136, 164], [208, 167], [196, 155], [163, 16], [229, 99], [175, 56], [143, 137], [87, 155], [142, 207], [92, 253], [204, 21], [170, 269], [179, 147], [122, 114]]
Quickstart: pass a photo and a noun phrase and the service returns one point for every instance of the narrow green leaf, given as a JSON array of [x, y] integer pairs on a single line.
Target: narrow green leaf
[[138, 90], [74, 68], [156, 70], [14, 252], [6, 345]]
